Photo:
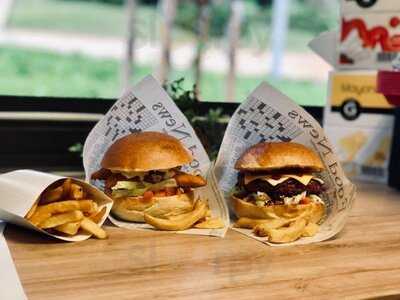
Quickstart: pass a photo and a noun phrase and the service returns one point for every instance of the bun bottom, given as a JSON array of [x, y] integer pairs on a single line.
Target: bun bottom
[[243, 209], [132, 209]]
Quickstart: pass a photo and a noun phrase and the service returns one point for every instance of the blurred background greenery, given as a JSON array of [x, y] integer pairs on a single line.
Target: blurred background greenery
[[27, 70]]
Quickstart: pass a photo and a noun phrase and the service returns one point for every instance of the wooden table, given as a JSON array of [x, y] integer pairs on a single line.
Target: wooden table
[[362, 262]]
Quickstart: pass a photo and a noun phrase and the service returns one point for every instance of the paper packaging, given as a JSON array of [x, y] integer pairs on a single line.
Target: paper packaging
[[268, 115], [21, 189], [368, 6], [148, 108], [360, 123], [10, 285], [369, 40]]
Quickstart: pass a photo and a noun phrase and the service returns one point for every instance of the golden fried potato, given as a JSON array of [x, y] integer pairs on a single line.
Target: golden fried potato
[[69, 228], [179, 222], [56, 220], [210, 223], [66, 187], [97, 216], [266, 223], [39, 217], [284, 234], [93, 228], [76, 192], [30, 213], [52, 195], [310, 230]]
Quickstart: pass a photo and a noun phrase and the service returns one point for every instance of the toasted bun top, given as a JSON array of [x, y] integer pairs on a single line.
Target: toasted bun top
[[145, 151], [273, 156]]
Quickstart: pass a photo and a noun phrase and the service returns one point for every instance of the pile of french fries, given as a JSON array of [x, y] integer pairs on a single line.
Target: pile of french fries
[[65, 209], [287, 227], [199, 217]]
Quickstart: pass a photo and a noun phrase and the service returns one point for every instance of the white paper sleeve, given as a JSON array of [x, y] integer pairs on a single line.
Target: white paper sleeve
[[147, 107], [268, 115]]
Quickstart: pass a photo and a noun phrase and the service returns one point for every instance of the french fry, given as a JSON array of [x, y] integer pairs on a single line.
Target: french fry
[[69, 228], [266, 223], [212, 223], [66, 187], [39, 217], [87, 206], [310, 230], [93, 228], [76, 192], [60, 207], [64, 209], [95, 208], [56, 220], [52, 195], [30, 213], [283, 234], [179, 222], [97, 216]]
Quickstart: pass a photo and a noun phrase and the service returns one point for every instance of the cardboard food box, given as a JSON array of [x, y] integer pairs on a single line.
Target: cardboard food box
[[359, 122]]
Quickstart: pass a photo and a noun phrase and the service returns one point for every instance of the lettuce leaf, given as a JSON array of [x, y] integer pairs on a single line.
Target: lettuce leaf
[[135, 188]]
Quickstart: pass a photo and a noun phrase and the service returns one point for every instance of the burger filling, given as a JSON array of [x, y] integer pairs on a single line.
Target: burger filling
[[159, 183], [263, 190]]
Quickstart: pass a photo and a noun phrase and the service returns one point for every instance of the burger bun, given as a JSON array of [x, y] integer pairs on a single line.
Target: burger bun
[[275, 156], [145, 151]]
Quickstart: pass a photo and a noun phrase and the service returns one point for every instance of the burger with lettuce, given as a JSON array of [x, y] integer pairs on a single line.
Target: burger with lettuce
[[142, 174]]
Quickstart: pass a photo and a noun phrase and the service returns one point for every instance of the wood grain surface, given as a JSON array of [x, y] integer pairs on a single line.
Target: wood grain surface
[[362, 262]]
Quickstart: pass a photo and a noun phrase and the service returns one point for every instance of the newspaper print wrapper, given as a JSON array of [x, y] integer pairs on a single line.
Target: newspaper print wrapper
[[147, 107], [22, 188], [268, 115]]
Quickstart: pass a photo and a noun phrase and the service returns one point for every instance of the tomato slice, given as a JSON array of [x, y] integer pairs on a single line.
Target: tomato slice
[[160, 193], [170, 191], [305, 200], [148, 195]]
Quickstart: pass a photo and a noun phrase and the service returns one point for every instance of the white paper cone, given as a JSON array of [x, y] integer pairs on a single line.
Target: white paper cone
[[21, 189]]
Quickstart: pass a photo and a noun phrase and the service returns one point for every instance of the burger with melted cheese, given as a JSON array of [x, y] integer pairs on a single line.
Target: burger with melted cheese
[[142, 173], [278, 180]]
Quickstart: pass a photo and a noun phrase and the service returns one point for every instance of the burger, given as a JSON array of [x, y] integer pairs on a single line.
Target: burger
[[278, 181], [142, 174]]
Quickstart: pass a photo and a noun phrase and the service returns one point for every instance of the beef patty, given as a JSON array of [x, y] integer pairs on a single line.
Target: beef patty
[[288, 188]]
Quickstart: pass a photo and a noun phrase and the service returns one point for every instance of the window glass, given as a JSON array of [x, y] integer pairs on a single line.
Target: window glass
[[76, 48]]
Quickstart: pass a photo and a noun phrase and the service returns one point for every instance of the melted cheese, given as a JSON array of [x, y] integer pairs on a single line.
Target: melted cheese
[[304, 179], [132, 174]]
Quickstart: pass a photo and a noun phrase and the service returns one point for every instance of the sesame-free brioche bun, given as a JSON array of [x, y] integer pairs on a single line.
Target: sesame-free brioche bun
[[145, 151], [133, 208], [244, 209], [273, 156]]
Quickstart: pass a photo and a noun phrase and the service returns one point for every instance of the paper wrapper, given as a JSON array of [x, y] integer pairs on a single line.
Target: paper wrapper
[[362, 139], [20, 190], [268, 115], [368, 6], [10, 285], [149, 108], [367, 40]]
